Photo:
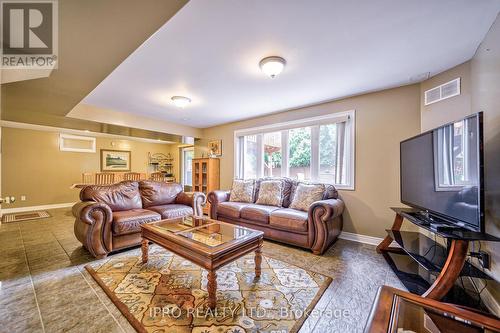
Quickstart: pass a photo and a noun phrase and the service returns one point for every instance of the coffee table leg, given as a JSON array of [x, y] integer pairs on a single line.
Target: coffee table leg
[[258, 261], [145, 249], [212, 289]]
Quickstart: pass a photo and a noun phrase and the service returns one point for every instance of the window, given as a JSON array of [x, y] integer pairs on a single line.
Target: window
[[187, 166], [250, 156], [328, 152], [299, 145], [312, 149], [77, 143], [272, 154]]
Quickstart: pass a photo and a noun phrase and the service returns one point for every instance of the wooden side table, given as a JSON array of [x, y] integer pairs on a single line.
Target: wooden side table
[[395, 310]]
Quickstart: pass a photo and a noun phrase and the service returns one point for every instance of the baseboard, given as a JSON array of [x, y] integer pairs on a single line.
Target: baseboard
[[360, 238], [32, 208]]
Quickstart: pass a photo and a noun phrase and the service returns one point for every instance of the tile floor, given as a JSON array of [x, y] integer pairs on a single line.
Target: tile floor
[[44, 287]]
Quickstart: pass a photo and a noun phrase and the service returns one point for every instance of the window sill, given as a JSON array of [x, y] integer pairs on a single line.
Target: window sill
[[344, 187]]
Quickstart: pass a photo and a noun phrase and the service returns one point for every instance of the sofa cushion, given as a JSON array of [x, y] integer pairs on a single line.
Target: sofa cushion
[[158, 193], [231, 209], [119, 197], [257, 213], [289, 219], [172, 211], [330, 190], [242, 190], [129, 221], [306, 194], [270, 193], [287, 188]]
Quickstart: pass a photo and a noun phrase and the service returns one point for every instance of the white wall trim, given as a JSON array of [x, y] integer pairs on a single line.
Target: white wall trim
[[363, 239], [336, 116], [33, 208], [360, 238]]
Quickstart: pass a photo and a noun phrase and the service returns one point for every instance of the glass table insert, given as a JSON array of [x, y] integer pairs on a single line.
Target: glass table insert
[[203, 230]]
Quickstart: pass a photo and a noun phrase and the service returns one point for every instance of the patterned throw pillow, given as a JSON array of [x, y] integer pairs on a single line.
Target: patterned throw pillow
[[305, 195], [270, 193], [242, 190]]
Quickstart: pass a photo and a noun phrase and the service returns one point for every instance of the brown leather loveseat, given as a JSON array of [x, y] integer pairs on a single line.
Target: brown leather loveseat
[[108, 218], [315, 229]]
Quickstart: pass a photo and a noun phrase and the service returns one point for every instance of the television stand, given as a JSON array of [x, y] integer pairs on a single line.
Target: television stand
[[448, 263], [443, 227]]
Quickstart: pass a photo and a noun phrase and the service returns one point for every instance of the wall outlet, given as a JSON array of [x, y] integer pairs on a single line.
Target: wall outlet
[[483, 258], [23, 198]]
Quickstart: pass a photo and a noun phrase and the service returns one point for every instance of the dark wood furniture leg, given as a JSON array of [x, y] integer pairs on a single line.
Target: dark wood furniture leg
[[258, 261], [451, 270], [457, 254], [396, 226], [212, 289], [145, 250]]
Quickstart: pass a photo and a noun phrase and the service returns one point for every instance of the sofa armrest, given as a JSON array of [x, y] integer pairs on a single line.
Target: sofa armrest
[[93, 227], [326, 216], [214, 198], [192, 199]]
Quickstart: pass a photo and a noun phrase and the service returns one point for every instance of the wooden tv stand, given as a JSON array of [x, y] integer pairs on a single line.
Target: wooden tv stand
[[453, 256]]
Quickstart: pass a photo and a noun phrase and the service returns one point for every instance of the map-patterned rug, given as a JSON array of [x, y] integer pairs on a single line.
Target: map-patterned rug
[[169, 294]]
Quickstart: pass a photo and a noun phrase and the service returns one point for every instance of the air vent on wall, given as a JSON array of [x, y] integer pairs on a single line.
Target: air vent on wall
[[444, 91]]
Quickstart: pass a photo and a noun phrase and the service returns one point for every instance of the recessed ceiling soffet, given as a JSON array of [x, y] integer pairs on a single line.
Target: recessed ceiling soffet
[[210, 51]]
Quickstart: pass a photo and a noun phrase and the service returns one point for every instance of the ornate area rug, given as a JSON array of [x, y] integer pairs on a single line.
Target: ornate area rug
[[169, 294]]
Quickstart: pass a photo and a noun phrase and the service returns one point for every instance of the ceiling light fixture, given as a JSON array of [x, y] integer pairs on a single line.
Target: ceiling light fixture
[[272, 66], [181, 101]]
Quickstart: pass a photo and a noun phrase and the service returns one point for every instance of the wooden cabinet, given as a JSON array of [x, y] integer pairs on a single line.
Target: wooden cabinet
[[206, 177]]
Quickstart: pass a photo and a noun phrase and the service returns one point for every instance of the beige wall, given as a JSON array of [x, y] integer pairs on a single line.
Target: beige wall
[[383, 119], [32, 165], [480, 78]]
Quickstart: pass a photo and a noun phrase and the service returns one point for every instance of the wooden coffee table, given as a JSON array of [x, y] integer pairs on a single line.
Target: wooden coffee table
[[208, 243]]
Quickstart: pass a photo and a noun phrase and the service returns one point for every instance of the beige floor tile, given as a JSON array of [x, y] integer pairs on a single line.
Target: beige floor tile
[[69, 300]]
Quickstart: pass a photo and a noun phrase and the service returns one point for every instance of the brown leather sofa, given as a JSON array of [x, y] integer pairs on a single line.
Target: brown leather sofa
[[108, 218], [316, 229]]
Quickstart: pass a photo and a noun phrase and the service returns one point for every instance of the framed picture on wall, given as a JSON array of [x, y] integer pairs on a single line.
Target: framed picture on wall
[[115, 160], [215, 147]]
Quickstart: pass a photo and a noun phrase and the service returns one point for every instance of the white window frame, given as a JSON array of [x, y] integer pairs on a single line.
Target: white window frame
[[314, 123], [184, 150], [63, 137]]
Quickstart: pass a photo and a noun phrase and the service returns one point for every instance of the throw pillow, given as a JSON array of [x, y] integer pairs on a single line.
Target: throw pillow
[[270, 193], [306, 194], [242, 190]]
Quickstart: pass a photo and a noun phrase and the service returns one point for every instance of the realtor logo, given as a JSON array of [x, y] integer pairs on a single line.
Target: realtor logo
[[29, 34]]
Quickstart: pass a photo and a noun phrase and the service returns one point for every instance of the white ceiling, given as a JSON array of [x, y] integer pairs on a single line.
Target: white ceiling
[[210, 50]]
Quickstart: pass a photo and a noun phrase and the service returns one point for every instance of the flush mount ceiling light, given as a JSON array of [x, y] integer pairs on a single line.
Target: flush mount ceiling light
[[181, 101], [272, 66]]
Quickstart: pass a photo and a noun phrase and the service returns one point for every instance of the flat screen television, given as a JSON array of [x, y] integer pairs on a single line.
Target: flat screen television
[[442, 173]]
